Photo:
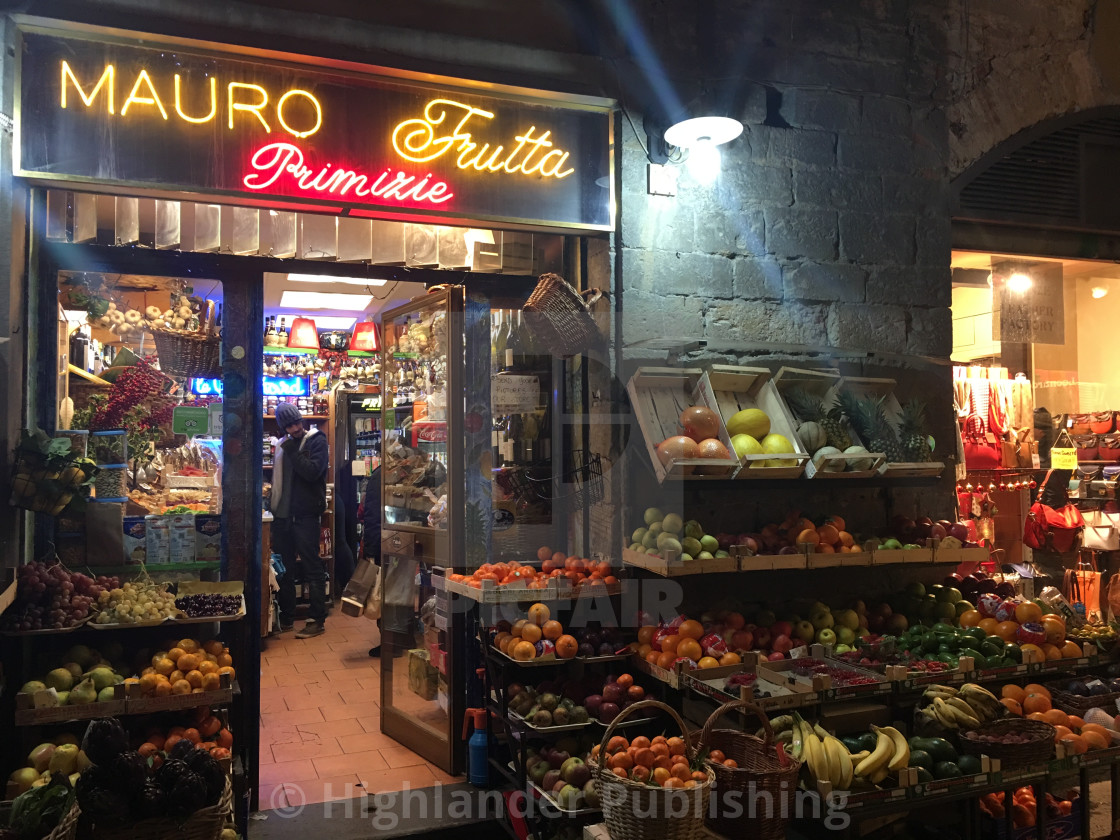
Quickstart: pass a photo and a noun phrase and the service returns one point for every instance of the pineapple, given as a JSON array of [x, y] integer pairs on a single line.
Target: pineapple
[[883, 437], [911, 430], [808, 408]]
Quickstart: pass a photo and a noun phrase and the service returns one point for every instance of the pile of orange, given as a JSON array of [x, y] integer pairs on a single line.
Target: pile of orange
[[684, 644], [580, 571], [519, 640], [1036, 703], [829, 538], [1024, 807], [187, 668], [206, 732], [659, 761]]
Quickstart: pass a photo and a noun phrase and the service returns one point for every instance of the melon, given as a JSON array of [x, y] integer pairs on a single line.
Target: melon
[[827, 466], [812, 435], [859, 464], [775, 444], [750, 421]]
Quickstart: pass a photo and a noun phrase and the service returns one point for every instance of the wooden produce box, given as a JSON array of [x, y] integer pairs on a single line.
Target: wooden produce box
[[768, 562], [669, 564], [658, 396], [823, 385], [41, 707], [956, 556], [733, 389], [902, 556], [711, 682], [885, 388]]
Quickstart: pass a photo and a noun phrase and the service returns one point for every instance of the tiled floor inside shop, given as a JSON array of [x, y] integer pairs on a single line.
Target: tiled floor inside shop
[[321, 734]]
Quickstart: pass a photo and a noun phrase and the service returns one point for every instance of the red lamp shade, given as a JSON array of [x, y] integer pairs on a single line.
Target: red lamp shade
[[303, 335], [365, 337]]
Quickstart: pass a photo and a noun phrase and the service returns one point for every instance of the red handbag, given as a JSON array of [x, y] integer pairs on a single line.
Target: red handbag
[[1087, 447], [1056, 530], [1100, 422], [1109, 450], [981, 449]]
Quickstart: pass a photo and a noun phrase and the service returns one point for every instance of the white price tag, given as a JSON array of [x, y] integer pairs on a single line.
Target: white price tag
[[798, 652]]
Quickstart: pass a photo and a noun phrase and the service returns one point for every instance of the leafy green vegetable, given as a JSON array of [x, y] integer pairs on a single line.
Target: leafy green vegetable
[[36, 812]]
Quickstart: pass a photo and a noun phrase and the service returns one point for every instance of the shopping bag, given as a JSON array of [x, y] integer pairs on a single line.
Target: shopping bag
[[356, 593], [1102, 530], [373, 602], [1083, 589], [1053, 529], [981, 449]]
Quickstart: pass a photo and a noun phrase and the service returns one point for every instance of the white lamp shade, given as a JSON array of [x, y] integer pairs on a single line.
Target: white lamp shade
[[715, 130]]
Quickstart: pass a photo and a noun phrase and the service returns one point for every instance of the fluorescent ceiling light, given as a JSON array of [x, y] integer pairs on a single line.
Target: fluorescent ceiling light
[[292, 299], [326, 278], [334, 322]]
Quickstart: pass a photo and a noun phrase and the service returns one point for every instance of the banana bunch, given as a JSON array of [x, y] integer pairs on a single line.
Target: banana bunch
[[891, 754], [825, 756], [969, 708], [783, 727]]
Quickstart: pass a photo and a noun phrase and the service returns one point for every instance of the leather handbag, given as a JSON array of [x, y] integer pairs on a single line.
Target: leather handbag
[[1101, 422], [1087, 447], [981, 449], [1102, 530], [1053, 529], [1083, 589], [1109, 447], [1078, 424]]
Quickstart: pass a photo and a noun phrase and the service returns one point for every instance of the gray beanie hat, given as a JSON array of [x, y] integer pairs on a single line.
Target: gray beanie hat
[[287, 414]]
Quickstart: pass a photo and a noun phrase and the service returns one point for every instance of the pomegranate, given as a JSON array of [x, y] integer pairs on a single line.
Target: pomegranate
[[700, 422], [677, 448]]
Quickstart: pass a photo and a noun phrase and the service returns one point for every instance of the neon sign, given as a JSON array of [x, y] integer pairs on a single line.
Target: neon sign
[[417, 140], [271, 386], [275, 160]]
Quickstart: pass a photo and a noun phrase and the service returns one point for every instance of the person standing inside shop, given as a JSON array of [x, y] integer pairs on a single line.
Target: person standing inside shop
[[299, 497], [371, 532]]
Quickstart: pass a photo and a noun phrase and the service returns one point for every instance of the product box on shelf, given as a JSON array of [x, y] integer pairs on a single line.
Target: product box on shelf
[[868, 387], [733, 389], [829, 677], [923, 556], [749, 562], [208, 536], [135, 539], [669, 564], [658, 396], [746, 682], [820, 386]]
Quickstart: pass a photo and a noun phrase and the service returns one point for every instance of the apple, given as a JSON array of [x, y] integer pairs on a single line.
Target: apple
[[592, 703], [782, 644], [845, 636], [549, 780], [781, 628], [608, 711], [725, 541], [613, 693], [775, 657], [847, 618], [822, 620], [762, 637], [567, 767], [826, 636], [843, 649], [805, 631], [742, 640], [556, 758], [539, 771]]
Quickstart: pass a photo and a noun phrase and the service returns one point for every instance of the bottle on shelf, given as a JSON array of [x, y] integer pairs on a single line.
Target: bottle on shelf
[[270, 333], [282, 335]]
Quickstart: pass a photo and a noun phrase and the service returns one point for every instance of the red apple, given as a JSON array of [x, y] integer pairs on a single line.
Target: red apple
[[776, 657], [781, 628], [735, 620], [742, 640], [762, 637], [783, 644]]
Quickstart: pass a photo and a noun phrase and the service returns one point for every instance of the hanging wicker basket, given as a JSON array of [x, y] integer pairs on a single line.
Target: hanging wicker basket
[[561, 316], [764, 786], [188, 354], [638, 811]]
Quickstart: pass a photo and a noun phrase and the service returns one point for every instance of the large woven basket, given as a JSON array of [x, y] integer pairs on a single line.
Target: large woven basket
[[66, 829], [763, 786], [1078, 705], [636, 811], [188, 355], [560, 316], [1037, 750], [204, 824]]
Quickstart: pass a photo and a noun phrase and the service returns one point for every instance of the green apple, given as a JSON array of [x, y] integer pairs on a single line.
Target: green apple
[[805, 631], [692, 529], [709, 543], [843, 648], [915, 589], [721, 554], [655, 528], [672, 523], [705, 555], [847, 618], [686, 556], [653, 515], [670, 543], [650, 540], [845, 635], [636, 546], [892, 545], [692, 545], [638, 535], [826, 636], [822, 620]]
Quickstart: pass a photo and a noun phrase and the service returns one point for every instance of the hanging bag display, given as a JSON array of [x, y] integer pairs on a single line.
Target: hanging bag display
[[1049, 528], [1102, 530], [981, 449], [1101, 422]]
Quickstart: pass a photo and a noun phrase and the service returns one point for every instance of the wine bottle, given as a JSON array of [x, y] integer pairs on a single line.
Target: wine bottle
[[270, 333], [282, 335]]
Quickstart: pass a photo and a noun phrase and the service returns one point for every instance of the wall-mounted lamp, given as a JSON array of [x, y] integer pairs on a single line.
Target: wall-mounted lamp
[[702, 137], [1099, 291], [1019, 282]]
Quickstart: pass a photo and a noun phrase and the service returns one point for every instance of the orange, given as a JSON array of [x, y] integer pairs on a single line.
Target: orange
[[674, 759], [988, 625], [175, 676], [1012, 706], [518, 626], [213, 646], [846, 539], [211, 681], [1059, 731], [645, 634], [1006, 630], [148, 683], [180, 687], [194, 678], [224, 659], [1096, 741], [618, 742], [676, 746], [1036, 703], [640, 774], [716, 756], [1075, 744], [621, 760], [1076, 723], [175, 653], [681, 771], [669, 643], [808, 536], [824, 548], [567, 647], [1035, 688], [165, 666], [188, 662], [228, 669], [531, 633], [837, 521], [660, 748], [653, 657], [225, 738], [852, 549], [828, 534], [192, 735], [707, 662], [148, 670], [1071, 650], [1035, 716], [639, 743], [1013, 692], [642, 650], [666, 660], [691, 629], [189, 645], [157, 656], [660, 776], [1056, 717], [1055, 629], [209, 667], [690, 648], [552, 629], [1035, 653], [673, 782], [645, 757], [1027, 612], [539, 614], [523, 651], [730, 658], [1052, 651], [970, 618], [730, 762]]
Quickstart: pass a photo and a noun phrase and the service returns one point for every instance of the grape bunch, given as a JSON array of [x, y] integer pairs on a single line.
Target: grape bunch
[[202, 606], [135, 603], [51, 597]]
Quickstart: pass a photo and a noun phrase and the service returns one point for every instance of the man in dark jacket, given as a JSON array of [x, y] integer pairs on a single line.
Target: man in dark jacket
[[299, 497]]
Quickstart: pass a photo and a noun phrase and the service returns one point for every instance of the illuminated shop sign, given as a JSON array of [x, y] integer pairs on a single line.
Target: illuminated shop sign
[[181, 119], [272, 386]]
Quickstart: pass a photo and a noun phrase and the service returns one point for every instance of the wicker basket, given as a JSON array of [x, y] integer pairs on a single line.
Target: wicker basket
[[188, 355], [765, 788], [560, 316], [204, 824], [66, 829], [636, 811], [1078, 705], [1038, 750]]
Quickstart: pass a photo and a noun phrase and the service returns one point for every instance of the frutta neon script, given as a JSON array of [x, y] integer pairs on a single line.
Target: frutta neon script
[[274, 161]]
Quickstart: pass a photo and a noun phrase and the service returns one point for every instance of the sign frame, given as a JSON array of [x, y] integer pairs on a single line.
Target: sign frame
[[368, 75]]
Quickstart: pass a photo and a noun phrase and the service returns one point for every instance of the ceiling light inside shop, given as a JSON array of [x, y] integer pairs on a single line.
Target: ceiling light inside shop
[[326, 278], [334, 322], [1099, 291], [292, 299], [1019, 282]]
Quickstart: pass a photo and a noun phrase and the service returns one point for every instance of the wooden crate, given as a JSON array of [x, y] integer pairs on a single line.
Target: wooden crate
[[823, 385], [670, 565], [768, 562], [885, 388], [658, 396], [733, 389]]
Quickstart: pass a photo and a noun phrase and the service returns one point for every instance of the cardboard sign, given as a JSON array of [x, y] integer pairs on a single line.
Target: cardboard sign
[[1063, 459], [514, 394]]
